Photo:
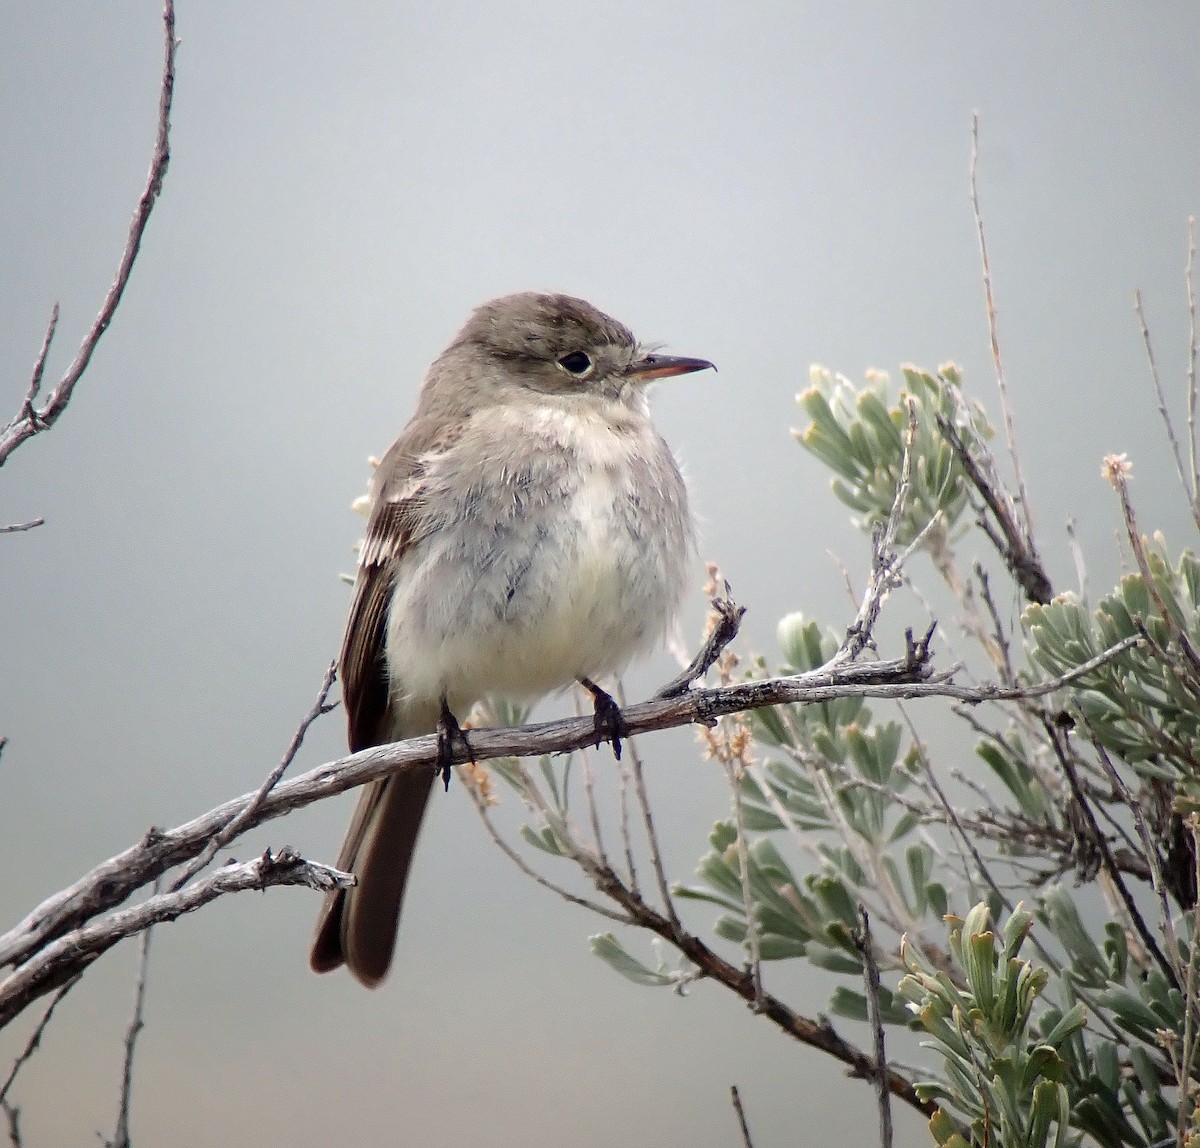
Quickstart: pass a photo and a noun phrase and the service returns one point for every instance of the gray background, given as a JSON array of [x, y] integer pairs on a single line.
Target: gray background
[[764, 185]]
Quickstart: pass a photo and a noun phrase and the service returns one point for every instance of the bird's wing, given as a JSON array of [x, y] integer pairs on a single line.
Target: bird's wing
[[394, 520]]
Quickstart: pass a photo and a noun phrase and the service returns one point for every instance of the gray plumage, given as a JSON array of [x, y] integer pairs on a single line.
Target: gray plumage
[[529, 528]]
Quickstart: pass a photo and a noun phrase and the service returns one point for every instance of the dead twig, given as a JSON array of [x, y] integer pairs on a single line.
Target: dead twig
[[74, 951], [741, 1115], [121, 1134], [1164, 414], [235, 827], [866, 949], [31, 420], [35, 1038], [994, 336], [66, 914]]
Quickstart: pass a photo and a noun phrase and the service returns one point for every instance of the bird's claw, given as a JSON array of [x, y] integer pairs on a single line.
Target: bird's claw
[[448, 732], [609, 722]]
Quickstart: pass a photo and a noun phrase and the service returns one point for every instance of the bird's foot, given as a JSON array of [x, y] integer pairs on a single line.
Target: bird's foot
[[609, 721], [448, 732]]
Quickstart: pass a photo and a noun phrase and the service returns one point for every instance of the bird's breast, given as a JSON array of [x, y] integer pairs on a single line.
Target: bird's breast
[[563, 559]]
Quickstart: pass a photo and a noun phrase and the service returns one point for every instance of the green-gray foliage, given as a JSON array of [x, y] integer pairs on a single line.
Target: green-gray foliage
[[1069, 1022]]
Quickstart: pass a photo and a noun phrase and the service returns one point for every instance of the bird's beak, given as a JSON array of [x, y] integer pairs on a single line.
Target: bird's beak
[[664, 366]]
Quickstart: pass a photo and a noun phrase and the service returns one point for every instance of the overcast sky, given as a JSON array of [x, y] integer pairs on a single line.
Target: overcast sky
[[764, 185]]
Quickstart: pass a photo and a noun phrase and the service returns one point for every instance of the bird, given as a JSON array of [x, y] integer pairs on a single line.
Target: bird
[[529, 529]]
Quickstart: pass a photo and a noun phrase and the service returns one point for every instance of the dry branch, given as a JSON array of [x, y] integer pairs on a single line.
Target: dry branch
[[31, 419], [63, 935]]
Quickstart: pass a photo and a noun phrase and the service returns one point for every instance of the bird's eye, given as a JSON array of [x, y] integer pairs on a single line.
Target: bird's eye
[[576, 363]]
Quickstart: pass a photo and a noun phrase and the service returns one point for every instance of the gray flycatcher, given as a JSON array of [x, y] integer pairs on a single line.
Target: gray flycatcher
[[528, 529]]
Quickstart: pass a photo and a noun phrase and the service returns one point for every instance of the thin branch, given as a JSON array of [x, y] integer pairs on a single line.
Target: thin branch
[[121, 1135], [741, 1115], [32, 420], [70, 954], [623, 783], [519, 861], [819, 1034], [1014, 545], [885, 566], [1176, 452], [1004, 664], [866, 949], [733, 771], [993, 334], [1110, 865], [13, 1115], [589, 789], [1193, 352], [29, 944], [39, 368], [18, 527], [639, 788], [243, 819], [728, 622], [35, 1039]]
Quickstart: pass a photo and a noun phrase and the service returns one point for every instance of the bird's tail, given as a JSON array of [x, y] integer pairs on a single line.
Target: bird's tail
[[357, 927]]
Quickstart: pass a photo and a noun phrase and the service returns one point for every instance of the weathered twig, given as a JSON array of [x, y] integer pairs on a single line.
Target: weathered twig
[[121, 1134], [235, 827], [638, 774], [72, 952], [885, 565], [12, 1115], [1193, 350], [31, 420], [1008, 536], [109, 884], [866, 949], [993, 334], [1164, 414], [728, 622], [741, 1115], [35, 1039], [1101, 843]]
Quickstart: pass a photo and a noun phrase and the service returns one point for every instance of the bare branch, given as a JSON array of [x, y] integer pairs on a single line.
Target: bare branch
[[1135, 916], [1176, 452], [729, 620], [885, 566], [639, 788], [39, 368], [121, 1135], [520, 862], [13, 1115], [866, 949], [235, 827], [993, 333], [1193, 351], [28, 944], [31, 420], [741, 1115], [1012, 542], [74, 951], [35, 1039]]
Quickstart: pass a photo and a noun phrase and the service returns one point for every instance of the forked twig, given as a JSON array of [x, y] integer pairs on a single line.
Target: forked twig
[[243, 819], [31, 420]]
